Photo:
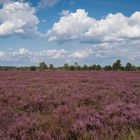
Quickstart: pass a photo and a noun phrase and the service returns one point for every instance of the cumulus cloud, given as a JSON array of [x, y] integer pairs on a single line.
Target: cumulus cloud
[[79, 26], [18, 18]]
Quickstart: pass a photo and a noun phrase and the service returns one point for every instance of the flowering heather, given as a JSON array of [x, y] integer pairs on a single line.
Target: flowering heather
[[69, 105]]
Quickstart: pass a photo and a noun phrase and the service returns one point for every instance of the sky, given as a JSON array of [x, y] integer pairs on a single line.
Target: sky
[[67, 31]]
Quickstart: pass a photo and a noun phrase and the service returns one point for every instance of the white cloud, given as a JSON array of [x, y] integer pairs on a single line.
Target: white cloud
[[125, 50], [104, 53], [70, 26], [82, 53], [23, 51], [24, 54], [79, 26], [54, 54], [18, 18], [57, 53], [1, 54]]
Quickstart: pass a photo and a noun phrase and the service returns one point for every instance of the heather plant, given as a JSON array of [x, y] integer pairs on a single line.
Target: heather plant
[[58, 105]]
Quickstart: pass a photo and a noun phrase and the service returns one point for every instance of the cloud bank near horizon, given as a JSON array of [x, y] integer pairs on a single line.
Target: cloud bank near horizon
[[96, 53]]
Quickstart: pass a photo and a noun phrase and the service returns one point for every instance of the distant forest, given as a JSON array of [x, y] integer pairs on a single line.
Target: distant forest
[[75, 67]]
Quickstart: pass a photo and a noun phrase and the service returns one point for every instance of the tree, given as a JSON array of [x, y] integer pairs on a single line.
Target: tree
[[33, 68], [72, 68], [117, 65], [76, 66], [98, 67], [95, 67], [66, 66], [128, 66], [85, 67], [90, 68], [108, 67], [42, 66], [51, 67]]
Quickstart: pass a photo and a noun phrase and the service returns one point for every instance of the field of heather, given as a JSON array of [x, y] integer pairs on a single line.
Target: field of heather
[[69, 105]]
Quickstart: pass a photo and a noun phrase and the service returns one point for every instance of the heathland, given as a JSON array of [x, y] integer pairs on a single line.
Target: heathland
[[69, 105]]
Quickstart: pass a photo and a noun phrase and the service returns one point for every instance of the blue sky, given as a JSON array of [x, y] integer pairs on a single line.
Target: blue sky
[[68, 31]]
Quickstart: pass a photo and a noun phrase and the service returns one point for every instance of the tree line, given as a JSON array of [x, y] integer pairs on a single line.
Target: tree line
[[75, 67]]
